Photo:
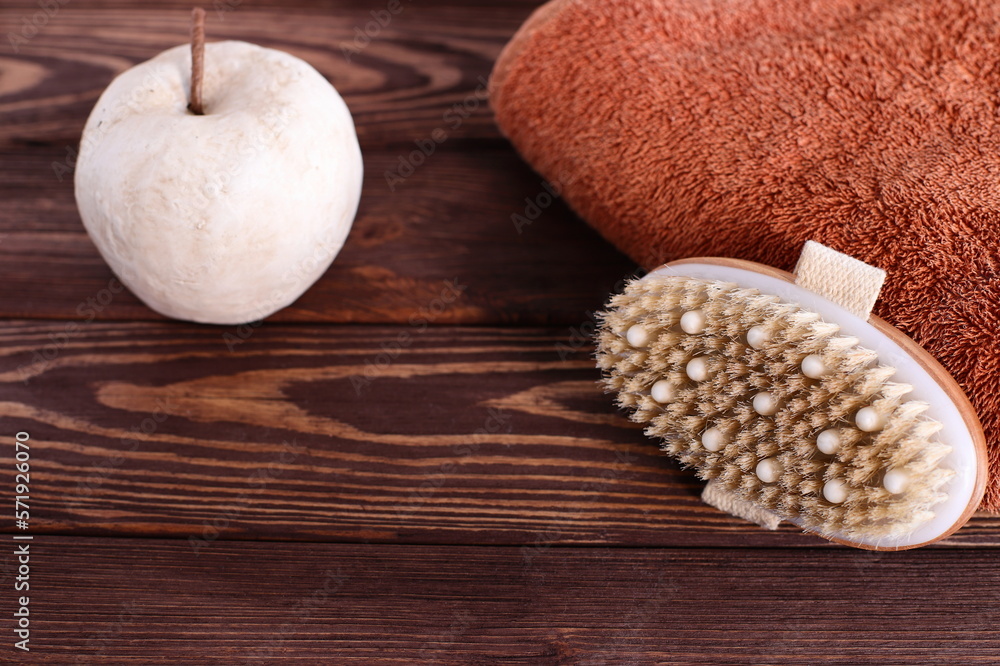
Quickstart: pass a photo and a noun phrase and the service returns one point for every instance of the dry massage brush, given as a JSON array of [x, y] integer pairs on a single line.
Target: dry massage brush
[[793, 401]]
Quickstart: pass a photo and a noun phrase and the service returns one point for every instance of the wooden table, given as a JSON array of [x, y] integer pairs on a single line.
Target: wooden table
[[414, 462]]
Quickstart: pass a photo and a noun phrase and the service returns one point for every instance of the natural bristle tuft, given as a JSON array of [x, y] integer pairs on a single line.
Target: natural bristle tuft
[[768, 399]]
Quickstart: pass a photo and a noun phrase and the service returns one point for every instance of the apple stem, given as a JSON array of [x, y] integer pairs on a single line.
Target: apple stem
[[197, 60]]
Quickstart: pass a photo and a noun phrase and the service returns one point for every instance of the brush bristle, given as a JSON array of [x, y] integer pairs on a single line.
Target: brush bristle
[[844, 491]]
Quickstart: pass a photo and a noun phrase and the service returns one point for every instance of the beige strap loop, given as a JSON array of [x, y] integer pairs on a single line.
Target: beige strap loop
[[850, 283], [716, 495]]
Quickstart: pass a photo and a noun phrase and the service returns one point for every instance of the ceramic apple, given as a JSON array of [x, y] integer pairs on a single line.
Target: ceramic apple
[[224, 217]]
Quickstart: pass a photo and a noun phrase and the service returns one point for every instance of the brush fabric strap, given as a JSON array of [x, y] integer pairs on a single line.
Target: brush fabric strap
[[716, 495], [846, 281]]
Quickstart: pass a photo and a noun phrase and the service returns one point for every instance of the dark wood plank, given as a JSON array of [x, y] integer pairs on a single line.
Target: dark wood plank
[[401, 84], [154, 601], [404, 434], [450, 220]]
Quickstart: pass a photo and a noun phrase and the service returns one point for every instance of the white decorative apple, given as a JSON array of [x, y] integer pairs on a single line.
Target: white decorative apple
[[229, 216]]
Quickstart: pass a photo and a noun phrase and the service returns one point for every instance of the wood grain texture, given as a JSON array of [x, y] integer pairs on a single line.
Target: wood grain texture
[[153, 601], [408, 435]]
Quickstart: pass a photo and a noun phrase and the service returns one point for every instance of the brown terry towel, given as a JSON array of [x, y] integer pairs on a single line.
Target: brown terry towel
[[743, 128]]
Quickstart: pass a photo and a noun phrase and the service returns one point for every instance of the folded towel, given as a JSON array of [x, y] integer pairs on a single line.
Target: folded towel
[[743, 128]]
